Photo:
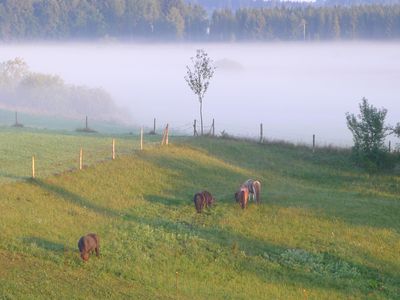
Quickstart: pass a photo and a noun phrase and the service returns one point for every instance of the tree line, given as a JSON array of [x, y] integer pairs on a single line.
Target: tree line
[[22, 89], [211, 5], [180, 20]]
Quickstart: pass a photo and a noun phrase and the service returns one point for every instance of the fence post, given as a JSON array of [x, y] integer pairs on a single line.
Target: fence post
[[16, 118], [33, 167], [86, 123], [313, 143], [163, 137], [80, 159], [113, 149], [213, 128], [166, 132], [194, 128], [390, 146], [261, 133], [141, 138], [154, 126]]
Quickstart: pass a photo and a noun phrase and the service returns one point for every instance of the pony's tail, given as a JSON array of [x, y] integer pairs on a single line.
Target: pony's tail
[[257, 188]]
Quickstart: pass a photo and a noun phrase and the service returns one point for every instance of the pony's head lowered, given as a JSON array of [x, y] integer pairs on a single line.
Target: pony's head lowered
[[242, 196]]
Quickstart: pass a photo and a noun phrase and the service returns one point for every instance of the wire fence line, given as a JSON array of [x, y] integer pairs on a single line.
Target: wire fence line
[[34, 154], [56, 152]]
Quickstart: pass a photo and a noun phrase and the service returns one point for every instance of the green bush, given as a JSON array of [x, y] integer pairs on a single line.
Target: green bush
[[369, 132]]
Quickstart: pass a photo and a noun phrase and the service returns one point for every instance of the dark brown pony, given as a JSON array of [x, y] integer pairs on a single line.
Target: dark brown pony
[[87, 244], [202, 199], [242, 196]]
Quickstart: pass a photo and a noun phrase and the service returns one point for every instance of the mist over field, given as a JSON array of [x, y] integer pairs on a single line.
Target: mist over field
[[294, 89]]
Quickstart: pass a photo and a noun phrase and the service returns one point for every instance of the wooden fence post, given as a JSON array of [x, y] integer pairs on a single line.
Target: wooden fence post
[[113, 149], [86, 123], [33, 167], [80, 159], [213, 128], [194, 128], [163, 137], [261, 133], [154, 126], [141, 138], [313, 143], [166, 132]]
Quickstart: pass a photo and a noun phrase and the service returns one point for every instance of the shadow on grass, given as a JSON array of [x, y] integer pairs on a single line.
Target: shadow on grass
[[11, 176], [192, 176], [368, 280], [74, 198], [315, 178], [46, 244], [168, 201]]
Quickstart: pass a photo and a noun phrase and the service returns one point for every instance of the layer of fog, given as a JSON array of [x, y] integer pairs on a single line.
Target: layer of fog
[[294, 89]]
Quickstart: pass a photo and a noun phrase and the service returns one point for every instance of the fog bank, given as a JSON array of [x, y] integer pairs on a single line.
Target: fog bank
[[294, 89]]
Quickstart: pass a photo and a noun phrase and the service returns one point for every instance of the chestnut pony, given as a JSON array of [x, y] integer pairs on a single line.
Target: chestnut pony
[[242, 196]]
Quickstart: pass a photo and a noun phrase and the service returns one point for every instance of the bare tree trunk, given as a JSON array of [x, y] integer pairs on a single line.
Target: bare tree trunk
[[201, 114]]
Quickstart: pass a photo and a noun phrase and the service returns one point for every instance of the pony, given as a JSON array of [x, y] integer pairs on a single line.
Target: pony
[[254, 187], [87, 244], [202, 199], [242, 196]]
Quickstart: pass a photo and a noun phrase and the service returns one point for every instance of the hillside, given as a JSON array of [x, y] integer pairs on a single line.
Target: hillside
[[324, 230]]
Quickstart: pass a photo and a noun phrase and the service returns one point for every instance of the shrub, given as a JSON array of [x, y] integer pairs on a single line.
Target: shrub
[[369, 132]]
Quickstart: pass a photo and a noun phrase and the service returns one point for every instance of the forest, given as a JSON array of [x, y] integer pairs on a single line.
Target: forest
[[33, 20]]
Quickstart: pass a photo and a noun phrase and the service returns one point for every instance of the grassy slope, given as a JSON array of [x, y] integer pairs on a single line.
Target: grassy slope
[[57, 152], [344, 225]]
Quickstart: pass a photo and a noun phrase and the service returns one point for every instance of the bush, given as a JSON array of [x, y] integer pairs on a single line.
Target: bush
[[369, 132]]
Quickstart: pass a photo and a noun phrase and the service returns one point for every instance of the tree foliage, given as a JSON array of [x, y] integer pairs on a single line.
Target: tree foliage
[[198, 77], [24, 90], [183, 20], [369, 133]]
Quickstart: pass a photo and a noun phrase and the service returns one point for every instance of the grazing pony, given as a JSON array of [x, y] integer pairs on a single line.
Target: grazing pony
[[87, 244], [242, 196], [254, 187], [202, 199]]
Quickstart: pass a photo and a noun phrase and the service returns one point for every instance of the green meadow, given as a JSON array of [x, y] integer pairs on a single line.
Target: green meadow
[[325, 229]]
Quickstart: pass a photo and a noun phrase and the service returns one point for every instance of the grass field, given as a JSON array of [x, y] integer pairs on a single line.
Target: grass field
[[325, 230], [48, 122], [57, 152]]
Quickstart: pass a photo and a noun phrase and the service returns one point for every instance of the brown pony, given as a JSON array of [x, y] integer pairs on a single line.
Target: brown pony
[[254, 187], [87, 244], [202, 199], [242, 196]]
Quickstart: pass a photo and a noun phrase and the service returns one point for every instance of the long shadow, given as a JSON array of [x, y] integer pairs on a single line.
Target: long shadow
[[168, 201], [372, 279], [12, 176], [330, 180], [256, 248], [45, 244], [193, 176], [74, 198]]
